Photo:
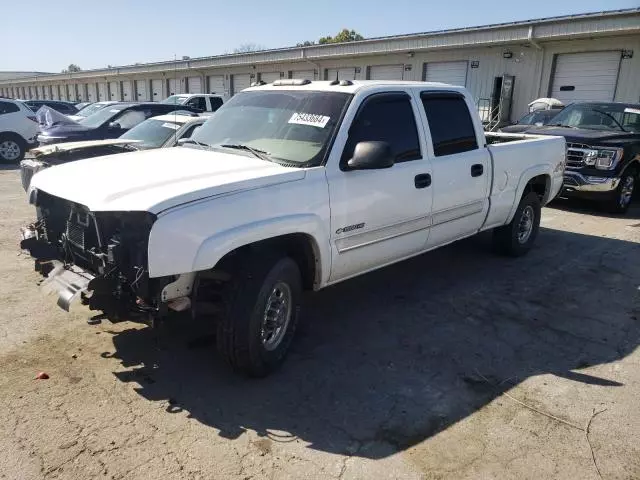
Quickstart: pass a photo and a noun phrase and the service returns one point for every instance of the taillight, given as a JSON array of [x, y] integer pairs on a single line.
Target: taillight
[[32, 118]]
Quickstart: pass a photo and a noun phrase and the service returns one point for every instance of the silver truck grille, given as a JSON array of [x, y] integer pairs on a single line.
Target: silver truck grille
[[575, 155], [75, 234]]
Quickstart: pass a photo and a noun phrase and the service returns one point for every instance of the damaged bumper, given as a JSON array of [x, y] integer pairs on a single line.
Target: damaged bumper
[[68, 282]]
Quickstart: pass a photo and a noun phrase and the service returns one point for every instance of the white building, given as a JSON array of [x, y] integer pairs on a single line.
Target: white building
[[592, 56]]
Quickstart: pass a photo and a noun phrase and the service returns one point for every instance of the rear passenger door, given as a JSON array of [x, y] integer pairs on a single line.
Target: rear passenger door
[[461, 168]]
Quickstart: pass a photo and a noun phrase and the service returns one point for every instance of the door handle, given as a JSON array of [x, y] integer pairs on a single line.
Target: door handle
[[477, 170], [422, 180]]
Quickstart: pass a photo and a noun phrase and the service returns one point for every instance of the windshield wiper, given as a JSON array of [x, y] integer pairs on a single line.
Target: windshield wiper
[[195, 142], [610, 116], [261, 154]]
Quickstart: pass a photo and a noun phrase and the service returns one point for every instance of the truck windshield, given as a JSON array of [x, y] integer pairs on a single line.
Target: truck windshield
[[287, 126], [175, 100], [600, 116]]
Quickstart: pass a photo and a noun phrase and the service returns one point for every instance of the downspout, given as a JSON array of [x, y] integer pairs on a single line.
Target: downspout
[[532, 41], [303, 54]]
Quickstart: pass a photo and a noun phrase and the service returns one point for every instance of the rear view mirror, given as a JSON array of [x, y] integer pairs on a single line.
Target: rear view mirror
[[371, 155], [114, 126]]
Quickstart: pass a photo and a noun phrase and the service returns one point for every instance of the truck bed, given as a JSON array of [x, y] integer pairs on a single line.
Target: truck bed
[[511, 156]]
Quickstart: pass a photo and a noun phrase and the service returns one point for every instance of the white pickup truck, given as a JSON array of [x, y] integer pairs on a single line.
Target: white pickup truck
[[291, 186]]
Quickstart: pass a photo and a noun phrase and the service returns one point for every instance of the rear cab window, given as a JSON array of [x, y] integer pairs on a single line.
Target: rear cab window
[[216, 103], [450, 123]]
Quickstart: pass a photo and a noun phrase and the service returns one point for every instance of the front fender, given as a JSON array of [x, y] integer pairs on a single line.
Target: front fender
[[220, 244], [172, 250]]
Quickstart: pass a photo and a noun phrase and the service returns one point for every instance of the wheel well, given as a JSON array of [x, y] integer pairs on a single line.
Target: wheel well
[[299, 246], [541, 185]]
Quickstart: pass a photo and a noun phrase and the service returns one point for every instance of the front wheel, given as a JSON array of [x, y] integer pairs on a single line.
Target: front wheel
[[262, 313], [516, 238], [623, 194]]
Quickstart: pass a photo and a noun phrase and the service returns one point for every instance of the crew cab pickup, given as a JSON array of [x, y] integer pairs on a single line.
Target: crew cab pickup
[[603, 151], [291, 186]]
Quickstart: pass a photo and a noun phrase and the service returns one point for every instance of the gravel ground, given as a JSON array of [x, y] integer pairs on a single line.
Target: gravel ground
[[454, 365]]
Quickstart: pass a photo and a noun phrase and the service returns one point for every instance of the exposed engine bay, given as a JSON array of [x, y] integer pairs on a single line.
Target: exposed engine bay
[[99, 256]]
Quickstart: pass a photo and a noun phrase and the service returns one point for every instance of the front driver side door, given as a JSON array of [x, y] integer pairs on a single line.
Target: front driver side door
[[380, 216]]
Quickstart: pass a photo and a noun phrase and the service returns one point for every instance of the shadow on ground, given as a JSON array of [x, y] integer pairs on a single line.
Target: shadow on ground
[[400, 354]]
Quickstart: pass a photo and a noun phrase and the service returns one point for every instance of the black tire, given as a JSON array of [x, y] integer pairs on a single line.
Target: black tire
[[11, 140], [621, 199], [510, 239], [239, 335]]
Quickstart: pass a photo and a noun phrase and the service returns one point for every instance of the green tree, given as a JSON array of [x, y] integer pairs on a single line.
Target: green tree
[[72, 68], [343, 36]]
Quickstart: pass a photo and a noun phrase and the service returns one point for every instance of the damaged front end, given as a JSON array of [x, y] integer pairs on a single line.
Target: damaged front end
[[100, 257]]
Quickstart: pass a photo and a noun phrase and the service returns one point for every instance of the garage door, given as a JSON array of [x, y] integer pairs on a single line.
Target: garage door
[[114, 94], [156, 90], [386, 72], [194, 85], [585, 76], [55, 94], [127, 95], [141, 90], [72, 95], [240, 82], [270, 77], [347, 73], [215, 84], [308, 74], [102, 92], [453, 73]]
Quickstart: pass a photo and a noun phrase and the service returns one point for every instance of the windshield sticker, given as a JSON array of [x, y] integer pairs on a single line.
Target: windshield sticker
[[311, 119], [114, 111], [632, 110], [171, 125]]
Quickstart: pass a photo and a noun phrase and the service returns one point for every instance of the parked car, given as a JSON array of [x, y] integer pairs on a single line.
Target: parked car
[[532, 119], [156, 132], [90, 109], [202, 102], [110, 122], [18, 130], [292, 186], [603, 151], [66, 108]]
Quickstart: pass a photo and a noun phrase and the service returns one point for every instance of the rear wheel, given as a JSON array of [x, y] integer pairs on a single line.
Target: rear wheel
[[12, 148], [622, 196], [517, 238], [262, 312]]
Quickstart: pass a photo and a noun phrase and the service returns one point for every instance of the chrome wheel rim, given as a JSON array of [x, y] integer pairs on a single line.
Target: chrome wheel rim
[[626, 192], [277, 314], [525, 227], [9, 150]]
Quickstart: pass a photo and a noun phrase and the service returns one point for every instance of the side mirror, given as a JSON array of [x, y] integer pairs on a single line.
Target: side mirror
[[182, 141], [372, 155], [114, 126], [539, 124]]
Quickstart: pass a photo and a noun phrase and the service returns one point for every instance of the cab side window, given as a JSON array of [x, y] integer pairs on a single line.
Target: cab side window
[[450, 123], [198, 102], [386, 117]]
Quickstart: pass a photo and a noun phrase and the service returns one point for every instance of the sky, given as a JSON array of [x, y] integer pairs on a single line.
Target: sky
[[94, 34]]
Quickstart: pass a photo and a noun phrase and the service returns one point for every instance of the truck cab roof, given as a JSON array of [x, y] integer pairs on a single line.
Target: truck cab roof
[[350, 86]]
